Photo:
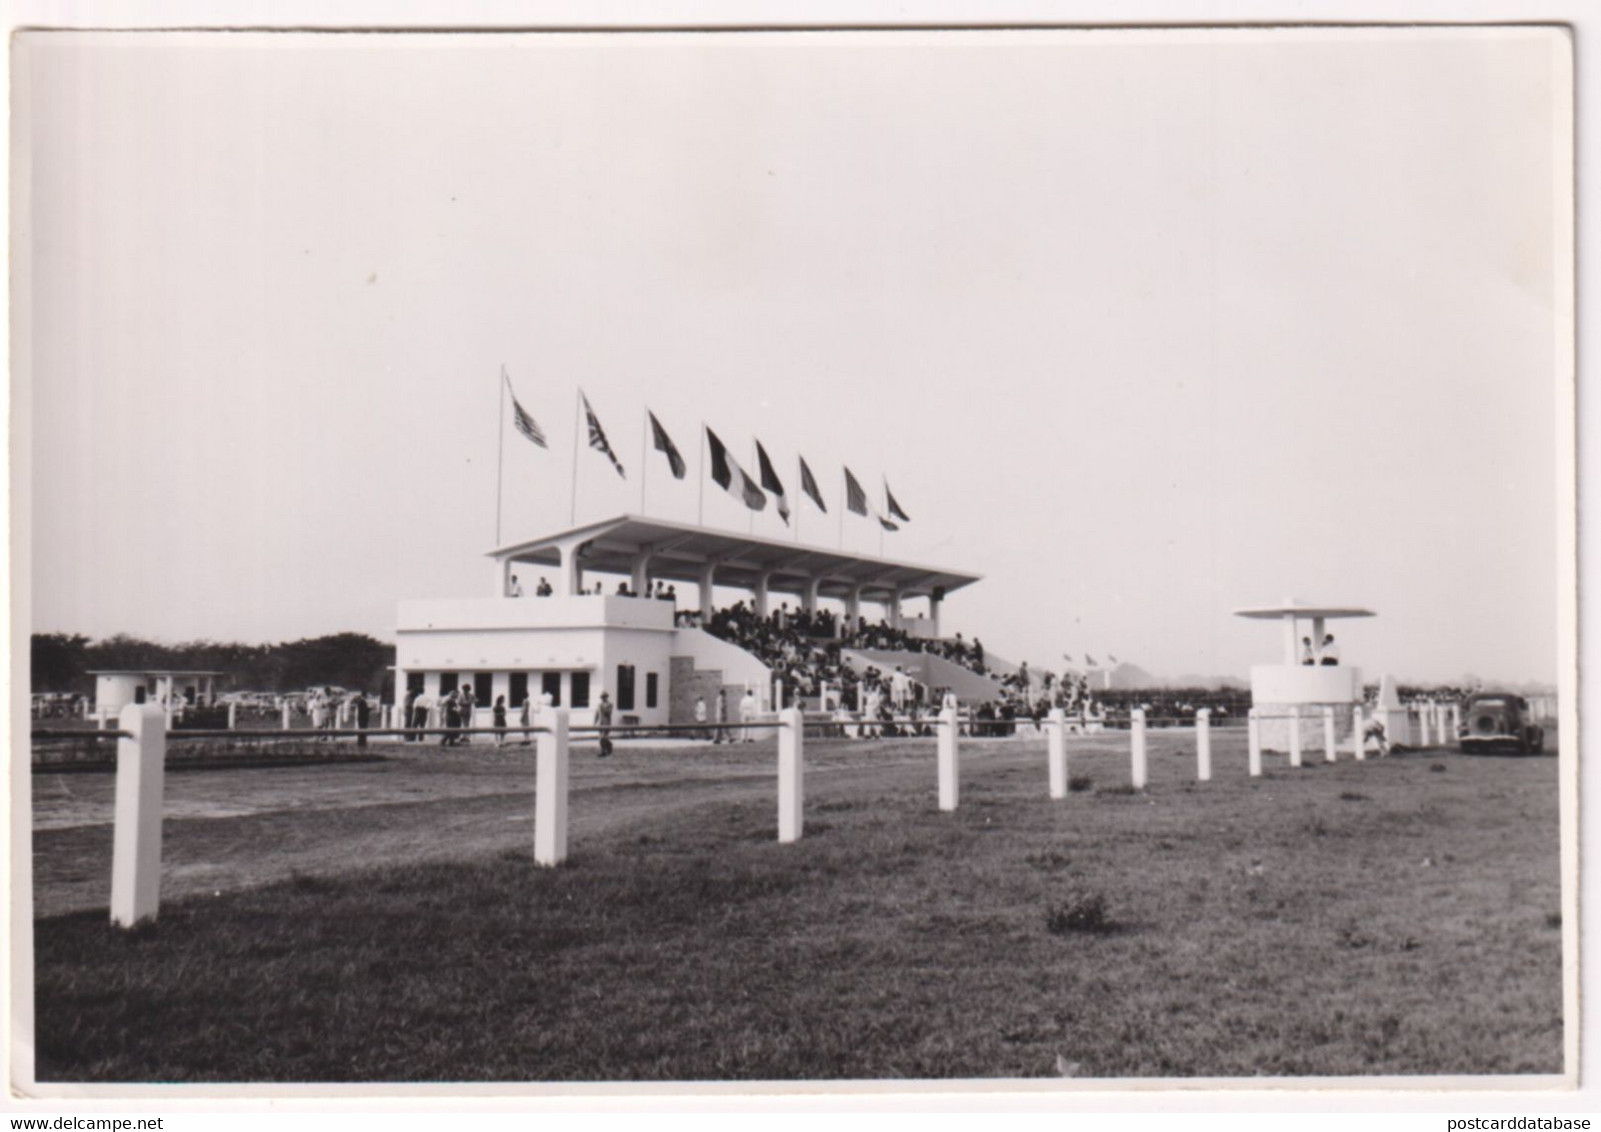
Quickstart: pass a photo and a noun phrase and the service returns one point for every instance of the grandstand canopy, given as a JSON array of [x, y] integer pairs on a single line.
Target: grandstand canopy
[[679, 552]]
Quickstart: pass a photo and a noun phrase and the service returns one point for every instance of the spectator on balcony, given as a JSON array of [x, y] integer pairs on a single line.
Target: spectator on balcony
[[543, 589], [1308, 657], [515, 588], [1330, 651]]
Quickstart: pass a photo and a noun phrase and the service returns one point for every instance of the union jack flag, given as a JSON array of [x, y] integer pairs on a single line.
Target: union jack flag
[[597, 437]]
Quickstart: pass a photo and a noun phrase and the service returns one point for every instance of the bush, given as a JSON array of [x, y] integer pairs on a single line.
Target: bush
[[1079, 783], [1082, 912]]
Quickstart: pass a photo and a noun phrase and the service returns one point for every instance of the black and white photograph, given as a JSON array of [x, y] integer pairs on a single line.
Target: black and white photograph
[[1027, 558]]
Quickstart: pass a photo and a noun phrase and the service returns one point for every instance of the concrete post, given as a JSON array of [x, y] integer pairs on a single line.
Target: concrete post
[[1328, 735], [550, 786], [1254, 738], [1295, 737], [1358, 734], [759, 594], [288, 714], [639, 575], [791, 775], [1456, 721], [948, 767], [136, 836], [1203, 745], [1424, 738], [100, 718], [1056, 751], [1137, 748], [933, 617], [707, 576], [233, 715], [895, 597], [809, 595]]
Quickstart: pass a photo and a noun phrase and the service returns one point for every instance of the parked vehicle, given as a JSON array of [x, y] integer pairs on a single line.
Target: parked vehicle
[[1498, 721]]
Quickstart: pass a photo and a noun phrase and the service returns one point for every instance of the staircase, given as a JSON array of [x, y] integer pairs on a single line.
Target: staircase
[[926, 668]]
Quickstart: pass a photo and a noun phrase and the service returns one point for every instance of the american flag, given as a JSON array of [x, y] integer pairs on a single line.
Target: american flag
[[519, 417], [597, 437]]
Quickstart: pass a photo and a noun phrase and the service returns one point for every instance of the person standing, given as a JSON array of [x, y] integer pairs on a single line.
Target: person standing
[[1307, 656], [452, 714], [408, 705], [469, 710], [1330, 651], [603, 721], [700, 714], [747, 712], [500, 721], [362, 716], [722, 715], [515, 589], [527, 713]]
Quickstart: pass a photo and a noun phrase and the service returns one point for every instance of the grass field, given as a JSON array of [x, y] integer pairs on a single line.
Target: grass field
[[385, 922]]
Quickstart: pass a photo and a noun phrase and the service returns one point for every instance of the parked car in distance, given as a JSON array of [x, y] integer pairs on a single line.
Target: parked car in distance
[[1498, 721]]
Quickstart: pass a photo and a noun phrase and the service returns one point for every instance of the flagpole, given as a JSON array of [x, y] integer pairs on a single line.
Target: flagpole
[[883, 479], [500, 451], [700, 502], [572, 519], [644, 469], [842, 508], [753, 463]]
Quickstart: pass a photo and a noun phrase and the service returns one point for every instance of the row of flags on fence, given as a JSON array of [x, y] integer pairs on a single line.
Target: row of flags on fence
[[1090, 661], [726, 471]]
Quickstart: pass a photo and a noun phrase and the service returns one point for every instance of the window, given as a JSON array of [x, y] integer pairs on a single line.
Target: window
[[650, 689], [518, 692], [414, 683], [139, 694], [625, 687], [448, 682], [550, 685], [580, 689], [483, 687]]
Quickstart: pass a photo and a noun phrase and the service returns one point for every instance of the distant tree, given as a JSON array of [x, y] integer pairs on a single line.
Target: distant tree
[[59, 661], [350, 660]]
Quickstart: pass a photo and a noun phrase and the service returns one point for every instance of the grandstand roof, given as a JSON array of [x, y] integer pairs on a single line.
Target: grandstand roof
[[1292, 608], [679, 551]]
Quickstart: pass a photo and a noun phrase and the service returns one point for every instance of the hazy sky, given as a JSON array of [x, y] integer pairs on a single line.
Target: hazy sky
[[1142, 328]]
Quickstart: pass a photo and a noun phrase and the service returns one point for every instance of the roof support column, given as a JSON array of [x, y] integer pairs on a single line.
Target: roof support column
[[639, 578], [809, 595], [707, 575], [760, 593], [1289, 639], [894, 604], [853, 607], [933, 614], [570, 569]]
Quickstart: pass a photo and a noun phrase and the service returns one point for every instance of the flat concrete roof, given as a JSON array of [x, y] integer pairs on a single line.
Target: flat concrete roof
[[679, 551]]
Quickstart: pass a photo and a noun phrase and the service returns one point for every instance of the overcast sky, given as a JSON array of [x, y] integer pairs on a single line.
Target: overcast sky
[[1142, 328]]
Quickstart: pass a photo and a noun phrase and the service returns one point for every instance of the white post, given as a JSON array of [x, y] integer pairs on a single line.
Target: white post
[[1328, 734], [1137, 748], [1424, 739], [1456, 721], [1056, 751], [1203, 745], [286, 715], [1358, 734], [791, 775], [100, 718], [1295, 737], [233, 715], [1254, 738], [136, 836], [947, 759], [550, 789]]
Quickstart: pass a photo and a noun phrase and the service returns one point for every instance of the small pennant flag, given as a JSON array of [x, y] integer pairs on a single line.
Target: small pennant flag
[[1112, 658], [597, 437], [855, 497], [731, 477], [1090, 661], [772, 483], [894, 507], [809, 486], [519, 416], [664, 444]]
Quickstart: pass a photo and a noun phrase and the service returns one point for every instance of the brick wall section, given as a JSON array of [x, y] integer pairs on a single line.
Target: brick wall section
[[685, 683]]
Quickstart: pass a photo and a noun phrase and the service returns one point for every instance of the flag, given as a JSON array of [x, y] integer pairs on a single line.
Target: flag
[[809, 486], [519, 417], [664, 444], [894, 508], [771, 482], [1090, 661], [1112, 658], [731, 477], [597, 437], [855, 497]]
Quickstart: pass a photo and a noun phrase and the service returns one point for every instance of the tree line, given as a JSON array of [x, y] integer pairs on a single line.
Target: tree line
[[62, 661]]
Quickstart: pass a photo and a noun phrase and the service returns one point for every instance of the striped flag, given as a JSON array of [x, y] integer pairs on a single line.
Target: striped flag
[[519, 417], [771, 482], [855, 497], [894, 507], [664, 444], [597, 436], [809, 486], [731, 477]]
